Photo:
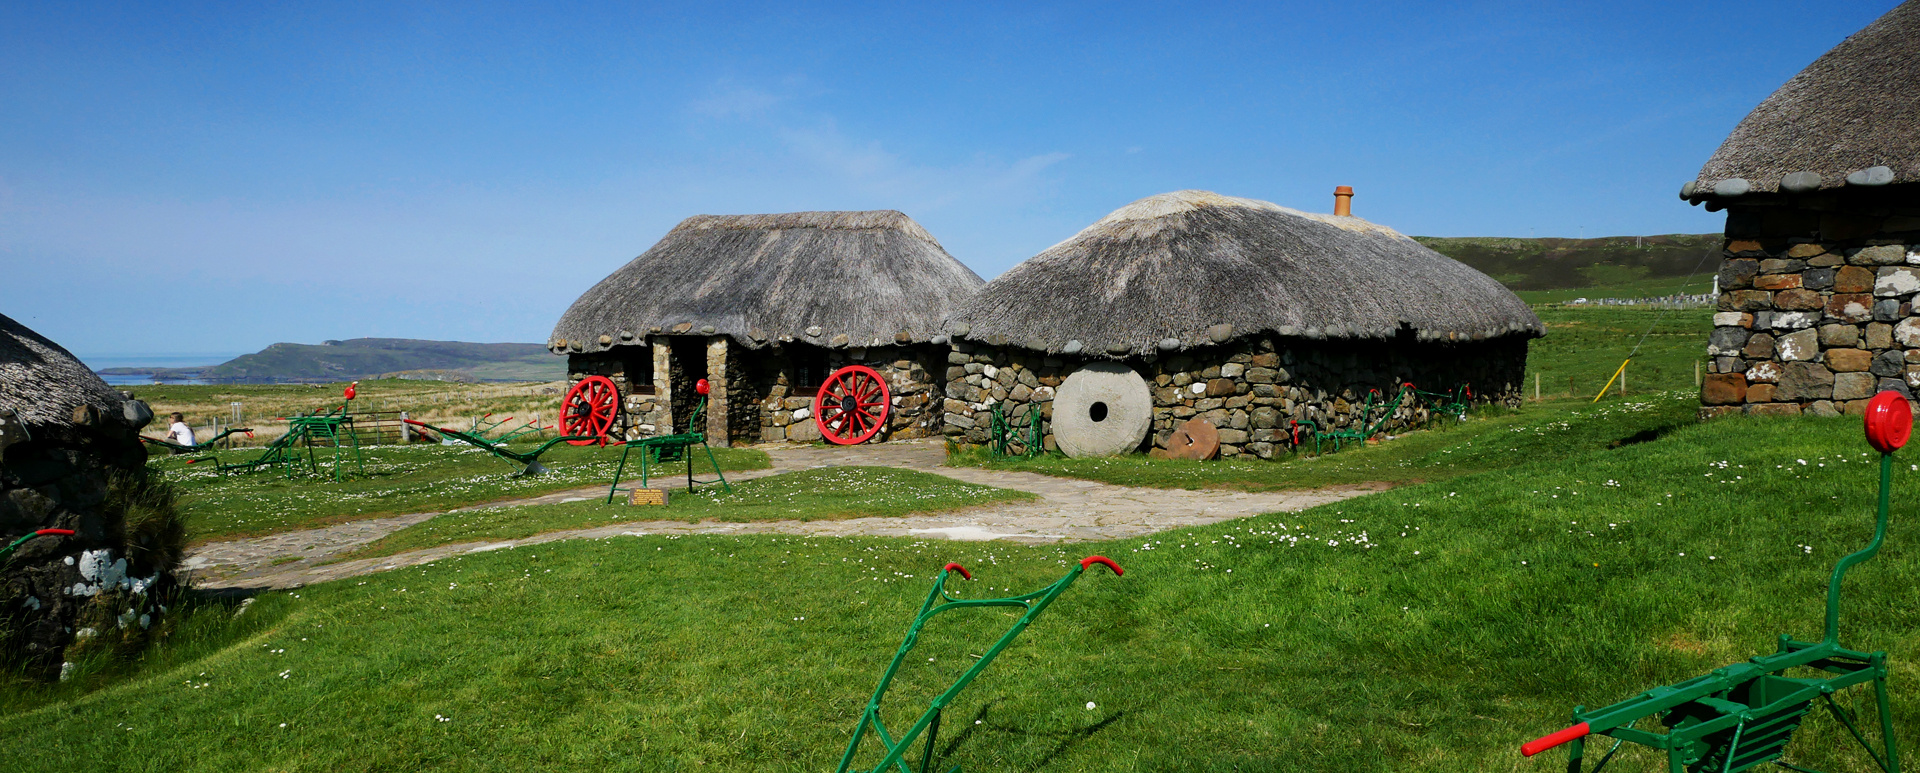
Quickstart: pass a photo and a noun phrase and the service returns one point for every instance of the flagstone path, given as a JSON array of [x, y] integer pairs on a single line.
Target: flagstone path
[[1068, 510]]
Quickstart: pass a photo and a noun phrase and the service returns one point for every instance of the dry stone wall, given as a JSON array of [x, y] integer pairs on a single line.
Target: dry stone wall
[[1816, 308], [786, 413], [1253, 389]]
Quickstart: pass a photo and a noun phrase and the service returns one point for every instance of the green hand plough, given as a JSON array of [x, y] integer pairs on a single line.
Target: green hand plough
[[486, 425], [1366, 426], [671, 448], [330, 428], [929, 721], [1003, 435], [1742, 715], [1455, 403], [529, 459], [30, 535], [196, 448]]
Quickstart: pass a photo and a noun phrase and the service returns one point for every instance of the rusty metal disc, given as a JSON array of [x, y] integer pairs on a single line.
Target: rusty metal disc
[[1194, 439]]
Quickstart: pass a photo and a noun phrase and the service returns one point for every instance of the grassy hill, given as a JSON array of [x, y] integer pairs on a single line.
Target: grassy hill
[[362, 358], [1604, 267]]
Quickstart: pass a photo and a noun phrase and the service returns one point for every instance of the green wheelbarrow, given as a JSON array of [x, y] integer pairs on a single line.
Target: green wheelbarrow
[[929, 722], [1743, 715]]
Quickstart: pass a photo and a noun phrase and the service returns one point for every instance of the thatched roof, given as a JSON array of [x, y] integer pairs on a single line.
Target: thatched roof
[[1851, 119], [1193, 268], [826, 278], [43, 383]]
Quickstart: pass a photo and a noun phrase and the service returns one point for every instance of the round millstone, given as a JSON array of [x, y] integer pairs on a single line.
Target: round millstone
[[1102, 409], [1800, 182]]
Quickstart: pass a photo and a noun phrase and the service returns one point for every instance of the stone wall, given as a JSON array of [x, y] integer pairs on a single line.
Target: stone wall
[[1816, 306], [107, 585], [786, 413], [755, 394], [1253, 389]]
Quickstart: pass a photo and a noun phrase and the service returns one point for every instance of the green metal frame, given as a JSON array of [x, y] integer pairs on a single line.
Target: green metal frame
[[929, 721], [531, 459], [1455, 403], [1368, 427], [482, 427], [1742, 715], [306, 430], [1002, 434], [8, 550], [667, 448]]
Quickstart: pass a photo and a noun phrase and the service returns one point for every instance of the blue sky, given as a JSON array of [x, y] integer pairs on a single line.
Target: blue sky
[[181, 179]]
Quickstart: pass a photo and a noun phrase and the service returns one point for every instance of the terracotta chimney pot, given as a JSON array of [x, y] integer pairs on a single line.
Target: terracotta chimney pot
[[1343, 201]]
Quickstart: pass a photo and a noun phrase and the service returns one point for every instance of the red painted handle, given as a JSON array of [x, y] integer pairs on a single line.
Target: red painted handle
[[416, 423], [1544, 743], [55, 532], [957, 568], [1091, 560]]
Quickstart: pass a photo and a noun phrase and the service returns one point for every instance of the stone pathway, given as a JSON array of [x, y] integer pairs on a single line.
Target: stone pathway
[[1069, 510]]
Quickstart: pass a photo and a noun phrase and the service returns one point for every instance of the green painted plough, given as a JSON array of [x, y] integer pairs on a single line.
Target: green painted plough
[[1742, 715], [487, 425], [671, 448], [30, 535], [929, 722], [1365, 426], [294, 452], [1455, 403], [1003, 434], [530, 460]]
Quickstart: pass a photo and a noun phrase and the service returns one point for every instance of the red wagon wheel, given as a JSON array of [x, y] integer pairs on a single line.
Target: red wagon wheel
[[852, 406], [589, 409]]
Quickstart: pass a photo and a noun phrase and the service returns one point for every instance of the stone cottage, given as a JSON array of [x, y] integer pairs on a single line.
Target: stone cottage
[[765, 307], [1821, 184], [70, 458], [1248, 314]]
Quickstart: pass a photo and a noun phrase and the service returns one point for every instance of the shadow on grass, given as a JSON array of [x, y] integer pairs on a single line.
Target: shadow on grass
[[1064, 740]]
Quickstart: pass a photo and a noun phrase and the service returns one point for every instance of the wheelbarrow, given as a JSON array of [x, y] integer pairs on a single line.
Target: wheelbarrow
[[929, 721], [1742, 715]]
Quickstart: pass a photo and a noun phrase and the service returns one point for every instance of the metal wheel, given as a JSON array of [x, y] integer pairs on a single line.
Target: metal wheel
[[589, 409], [852, 406]]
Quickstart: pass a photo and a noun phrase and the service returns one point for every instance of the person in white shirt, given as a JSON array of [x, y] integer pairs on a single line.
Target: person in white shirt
[[180, 433]]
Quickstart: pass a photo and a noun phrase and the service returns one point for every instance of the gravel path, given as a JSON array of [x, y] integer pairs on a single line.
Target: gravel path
[[1069, 510]]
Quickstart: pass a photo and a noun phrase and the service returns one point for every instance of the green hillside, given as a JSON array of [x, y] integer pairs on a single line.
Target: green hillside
[[1653, 265], [361, 358]]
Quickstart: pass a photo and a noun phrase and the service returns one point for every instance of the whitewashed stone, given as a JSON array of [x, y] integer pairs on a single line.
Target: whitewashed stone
[[1794, 320], [1801, 346], [1727, 318], [1896, 281], [1764, 373], [1908, 332]]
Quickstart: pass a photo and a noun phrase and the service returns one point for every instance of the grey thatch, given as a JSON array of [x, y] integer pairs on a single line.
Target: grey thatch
[[1852, 118], [826, 278], [1193, 268], [43, 383]]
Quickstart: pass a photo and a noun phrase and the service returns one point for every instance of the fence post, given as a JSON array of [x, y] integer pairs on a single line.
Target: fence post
[[406, 430]]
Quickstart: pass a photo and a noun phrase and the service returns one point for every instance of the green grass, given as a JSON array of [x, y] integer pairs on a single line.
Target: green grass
[[1490, 439], [1433, 627], [807, 495], [1584, 346], [1628, 287], [400, 479]]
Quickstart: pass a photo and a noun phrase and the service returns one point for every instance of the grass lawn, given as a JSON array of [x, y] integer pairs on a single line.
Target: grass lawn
[[1488, 440], [807, 495], [400, 479], [1584, 346], [1432, 627]]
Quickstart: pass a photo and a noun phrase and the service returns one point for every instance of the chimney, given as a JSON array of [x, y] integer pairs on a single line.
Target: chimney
[[1343, 201]]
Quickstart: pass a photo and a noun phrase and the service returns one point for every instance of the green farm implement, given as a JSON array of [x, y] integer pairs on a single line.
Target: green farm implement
[[1004, 434], [496, 446], [1365, 425], [1741, 716], [487, 425], [295, 452], [1455, 403], [30, 535], [895, 749], [671, 448]]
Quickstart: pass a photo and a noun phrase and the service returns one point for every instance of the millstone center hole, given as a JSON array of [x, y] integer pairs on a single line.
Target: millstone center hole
[[1097, 411]]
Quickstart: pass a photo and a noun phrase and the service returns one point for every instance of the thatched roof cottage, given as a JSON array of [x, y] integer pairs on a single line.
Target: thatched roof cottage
[[764, 307], [1246, 313], [1821, 184], [70, 458]]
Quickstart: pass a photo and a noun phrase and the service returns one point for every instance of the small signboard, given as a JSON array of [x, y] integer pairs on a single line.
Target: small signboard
[[647, 496]]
